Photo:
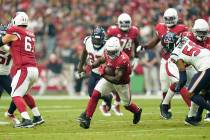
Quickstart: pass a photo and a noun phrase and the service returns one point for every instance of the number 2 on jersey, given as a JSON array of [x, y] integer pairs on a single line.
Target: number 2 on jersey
[[28, 46]]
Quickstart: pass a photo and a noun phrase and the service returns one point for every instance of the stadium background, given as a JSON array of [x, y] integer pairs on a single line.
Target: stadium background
[[61, 25]]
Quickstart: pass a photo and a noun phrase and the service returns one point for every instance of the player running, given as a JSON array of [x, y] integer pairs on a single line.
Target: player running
[[116, 76], [185, 52], [22, 50], [93, 50], [168, 70], [129, 39]]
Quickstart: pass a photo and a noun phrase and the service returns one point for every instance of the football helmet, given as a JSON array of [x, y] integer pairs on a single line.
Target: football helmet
[[170, 17], [112, 47], [170, 41], [124, 22], [200, 29], [98, 37], [21, 18]]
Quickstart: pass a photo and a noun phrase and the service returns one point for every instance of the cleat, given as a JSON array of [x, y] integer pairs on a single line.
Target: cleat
[[116, 109], [164, 113], [190, 121], [137, 117], [84, 121], [12, 118], [104, 110], [207, 117], [26, 123], [37, 120], [198, 118]]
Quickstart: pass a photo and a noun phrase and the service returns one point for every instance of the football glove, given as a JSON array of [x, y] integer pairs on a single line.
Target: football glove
[[79, 75], [140, 48]]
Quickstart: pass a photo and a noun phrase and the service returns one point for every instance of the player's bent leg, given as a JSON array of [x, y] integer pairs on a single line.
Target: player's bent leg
[[135, 110], [116, 106]]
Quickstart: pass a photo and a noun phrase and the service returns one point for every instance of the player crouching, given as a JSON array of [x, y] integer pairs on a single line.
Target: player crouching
[[115, 77]]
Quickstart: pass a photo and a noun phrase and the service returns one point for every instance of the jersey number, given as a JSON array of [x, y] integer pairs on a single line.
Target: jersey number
[[194, 50], [92, 58], [126, 43], [4, 59], [28, 46]]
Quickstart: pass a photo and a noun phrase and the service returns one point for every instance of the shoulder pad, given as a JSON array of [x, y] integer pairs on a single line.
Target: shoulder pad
[[85, 40]]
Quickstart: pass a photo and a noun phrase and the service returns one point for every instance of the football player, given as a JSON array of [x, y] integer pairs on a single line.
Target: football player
[[168, 71], [199, 35], [129, 36], [185, 52], [22, 50], [119, 62], [93, 50]]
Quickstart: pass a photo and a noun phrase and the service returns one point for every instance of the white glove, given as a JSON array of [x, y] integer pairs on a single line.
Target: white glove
[[139, 48], [79, 75], [134, 62]]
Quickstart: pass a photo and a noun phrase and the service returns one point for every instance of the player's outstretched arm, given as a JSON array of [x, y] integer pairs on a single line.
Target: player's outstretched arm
[[82, 60], [7, 39], [152, 43]]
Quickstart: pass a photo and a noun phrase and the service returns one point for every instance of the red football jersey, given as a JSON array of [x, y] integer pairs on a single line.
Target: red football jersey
[[205, 43], [23, 49], [126, 38], [122, 61], [162, 29]]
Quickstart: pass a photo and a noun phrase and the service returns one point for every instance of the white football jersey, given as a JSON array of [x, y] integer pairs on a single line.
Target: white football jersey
[[93, 53], [192, 54], [5, 62]]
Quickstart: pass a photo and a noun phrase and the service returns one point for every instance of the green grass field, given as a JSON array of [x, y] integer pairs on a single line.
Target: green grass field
[[61, 124]]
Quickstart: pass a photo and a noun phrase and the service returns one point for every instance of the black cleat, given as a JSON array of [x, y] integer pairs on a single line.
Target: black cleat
[[37, 120], [84, 121], [198, 118], [26, 123], [137, 117], [190, 121], [164, 113]]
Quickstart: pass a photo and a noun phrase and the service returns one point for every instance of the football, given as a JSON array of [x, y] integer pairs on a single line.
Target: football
[[109, 71]]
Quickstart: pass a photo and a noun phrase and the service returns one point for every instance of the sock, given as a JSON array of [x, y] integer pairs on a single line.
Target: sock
[[132, 108], [200, 111], [199, 100], [25, 115], [185, 96], [35, 111], [29, 101], [168, 96], [20, 104], [193, 110], [91, 107], [12, 108]]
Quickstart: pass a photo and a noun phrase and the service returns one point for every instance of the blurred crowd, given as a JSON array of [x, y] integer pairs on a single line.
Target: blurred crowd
[[61, 25]]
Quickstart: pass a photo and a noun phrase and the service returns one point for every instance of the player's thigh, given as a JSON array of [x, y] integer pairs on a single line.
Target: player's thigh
[[164, 81], [124, 93], [104, 86]]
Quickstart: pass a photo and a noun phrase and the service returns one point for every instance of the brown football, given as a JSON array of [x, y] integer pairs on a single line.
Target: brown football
[[109, 71]]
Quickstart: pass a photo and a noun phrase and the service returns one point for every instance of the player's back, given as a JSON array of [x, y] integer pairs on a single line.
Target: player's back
[[22, 49], [192, 54]]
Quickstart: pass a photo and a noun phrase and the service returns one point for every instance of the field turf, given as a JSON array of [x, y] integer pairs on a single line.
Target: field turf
[[61, 124]]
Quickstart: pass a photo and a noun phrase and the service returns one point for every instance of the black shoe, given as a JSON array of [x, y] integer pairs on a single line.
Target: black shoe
[[198, 119], [26, 123], [190, 121], [164, 113], [37, 120], [137, 117], [84, 121]]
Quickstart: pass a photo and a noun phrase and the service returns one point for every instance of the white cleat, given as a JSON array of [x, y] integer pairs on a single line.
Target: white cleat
[[104, 111], [116, 109], [12, 118]]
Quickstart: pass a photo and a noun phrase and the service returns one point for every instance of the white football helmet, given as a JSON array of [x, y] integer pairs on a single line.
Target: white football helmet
[[112, 47], [170, 17], [200, 29], [21, 18], [124, 22]]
